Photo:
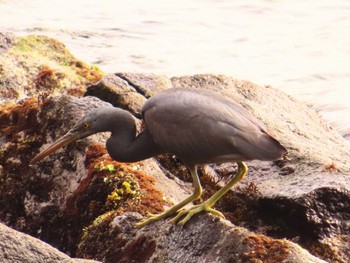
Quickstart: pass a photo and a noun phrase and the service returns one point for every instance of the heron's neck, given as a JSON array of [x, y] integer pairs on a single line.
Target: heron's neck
[[125, 146]]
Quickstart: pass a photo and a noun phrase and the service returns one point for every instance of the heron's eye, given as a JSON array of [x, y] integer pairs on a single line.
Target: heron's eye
[[86, 125]]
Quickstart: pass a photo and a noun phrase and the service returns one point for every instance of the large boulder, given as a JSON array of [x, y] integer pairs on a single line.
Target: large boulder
[[20, 247], [40, 66], [204, 239]]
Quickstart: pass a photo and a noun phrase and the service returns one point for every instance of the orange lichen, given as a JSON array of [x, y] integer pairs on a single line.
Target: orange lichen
[[332, 167], [77, 91], [91, 75], [124, 189], [45, 82], [265, 249], [326, 252], [20, 134], [44, 73], [15, 118], [110, 188], [49, 80]]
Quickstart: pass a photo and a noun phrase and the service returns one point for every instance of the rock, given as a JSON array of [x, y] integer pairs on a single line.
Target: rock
[[6, 41], [19, 247], [128, 91], [40, 66], [146, 84], [33, 199], [67, 191], [119, 93], [203, 239], [78, 198]]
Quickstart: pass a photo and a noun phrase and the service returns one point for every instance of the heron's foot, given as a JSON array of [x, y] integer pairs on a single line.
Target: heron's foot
[[152, 218], [188, 213]]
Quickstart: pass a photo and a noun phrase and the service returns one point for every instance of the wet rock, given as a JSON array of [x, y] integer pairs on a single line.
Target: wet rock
[[40, 66], [128, 91], [119, 93], [203, 239], [33, 199], [146, 84], [19, 247], [6, 41], [56, 198], [287, 169], [76, 198]]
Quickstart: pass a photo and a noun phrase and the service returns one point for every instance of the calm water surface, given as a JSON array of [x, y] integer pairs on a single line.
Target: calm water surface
[[301, 47]]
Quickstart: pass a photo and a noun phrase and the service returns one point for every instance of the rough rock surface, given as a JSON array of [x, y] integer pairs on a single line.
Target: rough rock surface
[[205, 239], [39, 66], [17, 247], [76, 199]]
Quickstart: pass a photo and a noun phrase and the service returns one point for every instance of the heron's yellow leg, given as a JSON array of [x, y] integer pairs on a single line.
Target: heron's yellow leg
[[172, 210], [206, 206]]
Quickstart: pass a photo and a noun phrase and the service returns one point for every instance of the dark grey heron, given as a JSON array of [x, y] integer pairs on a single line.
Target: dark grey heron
[[198, 126]]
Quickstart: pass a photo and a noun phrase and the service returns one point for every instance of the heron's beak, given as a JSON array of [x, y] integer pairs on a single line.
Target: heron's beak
[[64, 140]]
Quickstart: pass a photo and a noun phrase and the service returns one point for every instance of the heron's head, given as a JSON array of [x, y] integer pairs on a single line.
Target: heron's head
[[93, 122]]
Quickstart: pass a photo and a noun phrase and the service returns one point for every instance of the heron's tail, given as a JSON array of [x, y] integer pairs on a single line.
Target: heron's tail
[[265, 148]]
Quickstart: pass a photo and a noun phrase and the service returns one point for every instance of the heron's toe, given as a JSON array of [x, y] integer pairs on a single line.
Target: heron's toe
[[150, 214], [147, 221], [189, 213], [215, 212], [152, 218]]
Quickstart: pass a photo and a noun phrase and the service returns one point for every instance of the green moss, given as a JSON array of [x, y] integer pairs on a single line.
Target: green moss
[[28, 44], [96, 68], [27, 60], [101, 222], [124, 186], [126, 189], [106, 217], [108, 167], [108, 242], [43, 48]]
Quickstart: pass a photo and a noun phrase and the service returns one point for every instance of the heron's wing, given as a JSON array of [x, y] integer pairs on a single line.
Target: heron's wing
[[205, 127]]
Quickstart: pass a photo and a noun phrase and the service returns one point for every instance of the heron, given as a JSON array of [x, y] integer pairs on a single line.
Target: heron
[[198, 126]]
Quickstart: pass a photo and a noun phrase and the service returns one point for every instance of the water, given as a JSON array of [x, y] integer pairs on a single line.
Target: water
[[301, 47]]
